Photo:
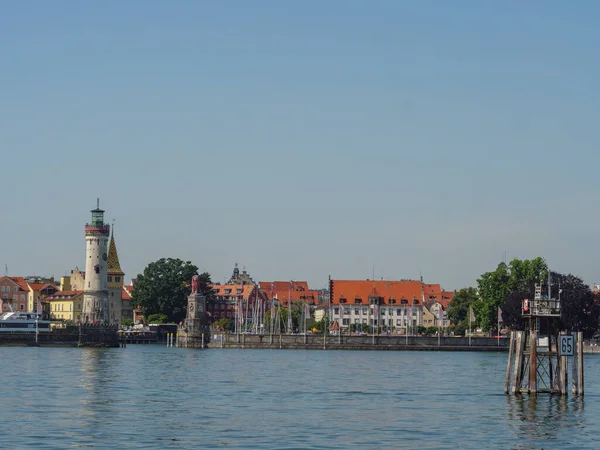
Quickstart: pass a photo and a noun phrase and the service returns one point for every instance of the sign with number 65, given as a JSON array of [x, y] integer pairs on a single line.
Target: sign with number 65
[[566, 345]]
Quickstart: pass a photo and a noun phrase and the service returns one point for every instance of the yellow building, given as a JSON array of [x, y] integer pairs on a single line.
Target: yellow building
[[65, 305], [428, 317], [38, 292], [73, 282]]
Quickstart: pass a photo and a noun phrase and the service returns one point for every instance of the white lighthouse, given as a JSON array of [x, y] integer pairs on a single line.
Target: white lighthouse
[[95, 295]]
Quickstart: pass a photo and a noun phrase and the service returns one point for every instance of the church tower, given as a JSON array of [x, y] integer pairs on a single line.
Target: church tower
[[115, 282], [95, 290]]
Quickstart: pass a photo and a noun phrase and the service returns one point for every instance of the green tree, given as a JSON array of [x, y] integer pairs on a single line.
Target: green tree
[[458, 309], [157, 318], [580, 310], [323, 325], [224, 324], [164, 286], [283, 312], [127, 323], [495, 287]]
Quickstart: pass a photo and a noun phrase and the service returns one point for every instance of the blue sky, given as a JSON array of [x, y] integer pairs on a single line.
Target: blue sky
[[302, 139]]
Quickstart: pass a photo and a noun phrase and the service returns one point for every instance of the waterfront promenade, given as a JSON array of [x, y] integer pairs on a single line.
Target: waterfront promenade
[[352, 342]]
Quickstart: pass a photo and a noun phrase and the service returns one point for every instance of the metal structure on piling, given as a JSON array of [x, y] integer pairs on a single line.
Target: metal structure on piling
[[538, 356]]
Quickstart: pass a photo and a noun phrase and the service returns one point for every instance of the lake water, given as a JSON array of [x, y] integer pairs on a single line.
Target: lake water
[[157, 397]]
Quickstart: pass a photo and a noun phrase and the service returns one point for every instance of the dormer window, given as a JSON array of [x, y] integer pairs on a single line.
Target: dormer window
[[374, 300], [343, 300], [357, 301], [227, 291]]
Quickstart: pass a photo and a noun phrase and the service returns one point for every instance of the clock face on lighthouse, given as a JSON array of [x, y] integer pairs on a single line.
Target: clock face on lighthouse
[[104, 256]]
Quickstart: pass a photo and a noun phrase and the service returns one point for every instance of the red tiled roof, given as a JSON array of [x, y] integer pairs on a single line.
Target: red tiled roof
[[281, 290], [221, 288], [447, 297], [63, 295], [41, 286], [353, 290], [125, 294], [19, 281]]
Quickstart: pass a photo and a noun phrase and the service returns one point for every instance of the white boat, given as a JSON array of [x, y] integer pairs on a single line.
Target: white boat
[[24, 322]]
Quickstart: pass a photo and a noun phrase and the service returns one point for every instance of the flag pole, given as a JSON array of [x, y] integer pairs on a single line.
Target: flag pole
[[498, 326], [470, 316]]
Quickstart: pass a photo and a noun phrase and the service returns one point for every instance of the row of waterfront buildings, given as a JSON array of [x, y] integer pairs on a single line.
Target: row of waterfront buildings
[[99, 294]]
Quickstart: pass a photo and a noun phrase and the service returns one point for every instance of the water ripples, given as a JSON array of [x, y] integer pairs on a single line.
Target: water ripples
[[157, 397]]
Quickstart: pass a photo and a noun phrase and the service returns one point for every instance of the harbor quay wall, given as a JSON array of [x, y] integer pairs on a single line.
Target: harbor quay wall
[[70, 336], [382, 342]]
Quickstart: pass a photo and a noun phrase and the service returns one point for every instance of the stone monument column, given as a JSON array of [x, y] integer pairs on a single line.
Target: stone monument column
[[191, 330]]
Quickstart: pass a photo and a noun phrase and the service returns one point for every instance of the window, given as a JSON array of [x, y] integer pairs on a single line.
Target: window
[[16, 289], [356, 311], [399, 322], [3, 288], [97, 268], [346, 322], [336, 310], [109, 279], [22, 307], [364, 321], [356, 321], [365, 311], [22, 297], [117, 279], [398, 312]]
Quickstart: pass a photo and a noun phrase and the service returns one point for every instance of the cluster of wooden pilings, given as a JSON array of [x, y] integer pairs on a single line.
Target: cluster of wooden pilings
[[533, 369]]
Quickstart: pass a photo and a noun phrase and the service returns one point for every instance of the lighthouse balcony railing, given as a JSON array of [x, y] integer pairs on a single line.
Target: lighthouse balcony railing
[[102, 228], [541, 307]]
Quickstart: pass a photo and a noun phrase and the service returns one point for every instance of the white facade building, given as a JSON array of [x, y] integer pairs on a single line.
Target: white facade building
[[397, 317]]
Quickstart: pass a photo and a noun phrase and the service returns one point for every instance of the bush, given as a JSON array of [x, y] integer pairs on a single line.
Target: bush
[[157, 318]]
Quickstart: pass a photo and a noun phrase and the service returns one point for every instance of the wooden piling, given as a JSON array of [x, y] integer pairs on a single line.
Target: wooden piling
[[563, 375], [516, 384], [511, 347], [580, 361], [533, 362]]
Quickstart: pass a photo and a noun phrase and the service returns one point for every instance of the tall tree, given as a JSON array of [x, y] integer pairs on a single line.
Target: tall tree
[[497, 286], [458, 309], [164, 286], [580, 310]]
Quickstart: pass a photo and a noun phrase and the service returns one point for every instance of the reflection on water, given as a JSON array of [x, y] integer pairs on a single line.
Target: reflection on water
[[543, 416], [156, 397]]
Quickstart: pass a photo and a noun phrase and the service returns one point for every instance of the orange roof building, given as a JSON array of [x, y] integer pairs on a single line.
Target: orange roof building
[[283, 291], [13, 294], [236, 301], [38, 292], [397, 306]]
